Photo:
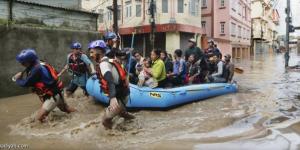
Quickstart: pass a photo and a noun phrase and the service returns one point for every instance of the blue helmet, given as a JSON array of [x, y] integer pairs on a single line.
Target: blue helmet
[[110, 35], [27, 55], [75, 45], [97, 44]]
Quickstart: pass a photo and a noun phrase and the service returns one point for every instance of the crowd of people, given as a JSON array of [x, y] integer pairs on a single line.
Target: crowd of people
[[193, 66], [115, 69]]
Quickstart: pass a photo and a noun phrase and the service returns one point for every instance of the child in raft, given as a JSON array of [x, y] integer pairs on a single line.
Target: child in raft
[[144, 78]]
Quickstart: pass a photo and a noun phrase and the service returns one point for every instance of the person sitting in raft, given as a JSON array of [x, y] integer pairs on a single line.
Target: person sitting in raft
[[168, 62], [229, 68], [179, 69], [164, 56], [218, 75], [194, 70], [144, 77], [43, 78], [139, 58], [158, 69]]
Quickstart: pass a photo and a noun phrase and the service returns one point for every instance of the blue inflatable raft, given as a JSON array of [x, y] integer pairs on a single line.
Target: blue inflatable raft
[[145, 97]]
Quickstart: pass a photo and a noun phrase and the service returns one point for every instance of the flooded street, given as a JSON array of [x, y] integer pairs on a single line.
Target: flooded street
[[264, 114]]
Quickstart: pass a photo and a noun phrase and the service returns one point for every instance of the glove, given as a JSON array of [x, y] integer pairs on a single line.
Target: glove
[[17, 76]]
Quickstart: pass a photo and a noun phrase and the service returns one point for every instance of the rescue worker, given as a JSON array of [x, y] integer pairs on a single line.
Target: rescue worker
[[43, 78], [128, 62], [113, 81], [229, 68], [111, 40], [80, 66], [193, 49], [219, 75]]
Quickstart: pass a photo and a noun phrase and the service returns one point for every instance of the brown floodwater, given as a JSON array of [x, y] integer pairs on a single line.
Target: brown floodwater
[[264, 114]]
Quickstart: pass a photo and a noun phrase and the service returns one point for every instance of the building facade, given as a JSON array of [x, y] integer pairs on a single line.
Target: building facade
[[83, 5], [264, 22], [228, 23], [176, 22]]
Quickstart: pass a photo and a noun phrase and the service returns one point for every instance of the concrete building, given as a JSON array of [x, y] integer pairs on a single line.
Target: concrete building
[[176, 22], [264, 22], [84, 5], [228, 22], [42, 15]]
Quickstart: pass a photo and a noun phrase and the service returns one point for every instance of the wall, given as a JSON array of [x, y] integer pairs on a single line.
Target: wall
[[90, 5], [74, 4], [51, 45], [172, 41], [39, 15]]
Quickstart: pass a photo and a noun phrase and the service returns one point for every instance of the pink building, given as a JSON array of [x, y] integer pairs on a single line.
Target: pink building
[[228, 23]]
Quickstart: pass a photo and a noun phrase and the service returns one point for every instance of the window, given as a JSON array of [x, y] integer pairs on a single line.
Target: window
[[128, 11], [100, 11], [109, 15], [233, 29], [203, 24], [240, 32], [138, 10], [222, 3], [164, 6], [194, 7], [119, 14], [128, 8], [232, 3], [222, 28], [180, 5], [240, 9], [204, 3]]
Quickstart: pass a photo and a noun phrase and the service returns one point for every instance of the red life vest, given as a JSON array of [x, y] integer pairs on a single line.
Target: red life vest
[[76, 65], [46, 91], [123, 81]]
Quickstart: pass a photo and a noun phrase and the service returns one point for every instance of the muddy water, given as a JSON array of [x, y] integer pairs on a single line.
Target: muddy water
[[264, 114]]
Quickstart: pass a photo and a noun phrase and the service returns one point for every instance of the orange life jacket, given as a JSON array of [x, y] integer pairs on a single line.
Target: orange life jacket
[[76, 65], [45, 91], [123, 81]]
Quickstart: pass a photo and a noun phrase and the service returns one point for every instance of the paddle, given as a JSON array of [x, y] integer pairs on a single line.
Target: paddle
[[238, 70], [130, 54]]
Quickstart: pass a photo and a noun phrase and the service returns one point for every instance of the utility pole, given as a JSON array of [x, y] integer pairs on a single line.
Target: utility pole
[[10, 8], [287, 38], [152, 21], [115, 25]]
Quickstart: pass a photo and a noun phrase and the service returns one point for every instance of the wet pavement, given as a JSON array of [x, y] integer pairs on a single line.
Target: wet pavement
[[264, 114]]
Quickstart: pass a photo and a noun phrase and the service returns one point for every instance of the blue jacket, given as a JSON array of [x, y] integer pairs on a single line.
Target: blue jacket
[[36, 73]]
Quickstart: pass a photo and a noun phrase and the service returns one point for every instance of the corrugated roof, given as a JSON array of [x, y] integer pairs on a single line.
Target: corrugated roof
[[56, 7]]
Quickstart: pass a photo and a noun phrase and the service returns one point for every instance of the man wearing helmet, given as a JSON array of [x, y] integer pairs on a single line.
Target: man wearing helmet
[[43, 78], [111, 41], [113, 81], [79, 65]]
